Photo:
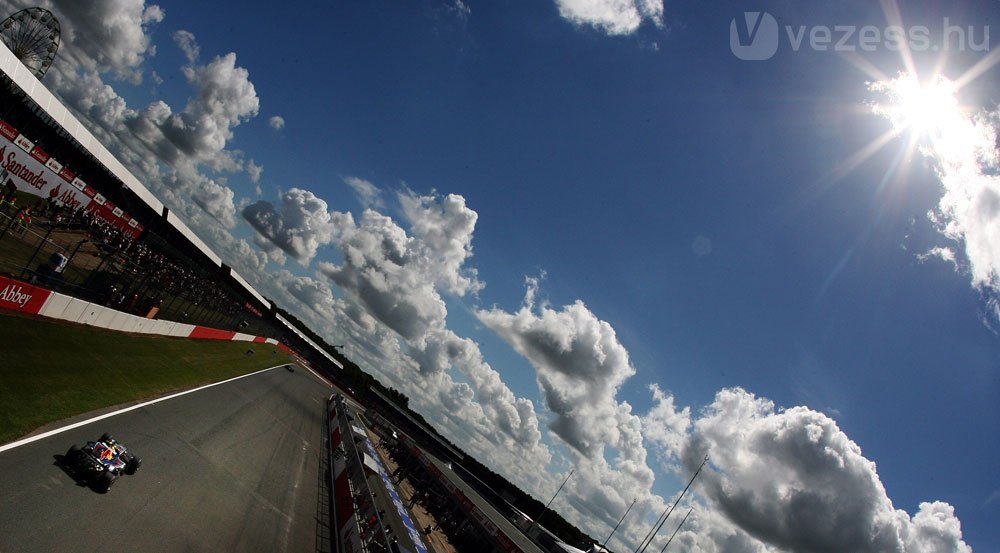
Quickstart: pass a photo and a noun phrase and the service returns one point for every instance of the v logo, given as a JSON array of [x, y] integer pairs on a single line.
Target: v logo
[[747, 34], [755, 37]]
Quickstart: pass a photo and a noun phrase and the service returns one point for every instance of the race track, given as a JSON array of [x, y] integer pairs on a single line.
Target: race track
[[235, 467]]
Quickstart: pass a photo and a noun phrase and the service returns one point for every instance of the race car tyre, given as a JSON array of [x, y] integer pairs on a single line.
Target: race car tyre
[[106, 437], [133, 464], [104, 481], [72, 456]]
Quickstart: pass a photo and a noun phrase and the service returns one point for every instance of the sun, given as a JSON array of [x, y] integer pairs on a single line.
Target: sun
[[926, 109]]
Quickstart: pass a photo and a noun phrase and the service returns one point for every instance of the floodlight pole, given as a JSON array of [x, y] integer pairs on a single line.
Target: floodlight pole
[[672, 507], [613, 530], [532, 525], [650, 533], [678, 529]]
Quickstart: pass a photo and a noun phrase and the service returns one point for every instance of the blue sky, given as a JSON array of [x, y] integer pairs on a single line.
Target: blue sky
[[526, 215]]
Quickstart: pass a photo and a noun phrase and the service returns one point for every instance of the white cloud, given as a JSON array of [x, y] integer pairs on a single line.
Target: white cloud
[[216, 199], [793, 480], [580, 364], [367, 193], [399, 278], [443, 230], [666, 426], [944, 254], [614, 17], [186, 42], [225, 98], [254, 171], [396, 276], [299, 228], [276, 122], [380, 271], [514, 416], [460, 9]]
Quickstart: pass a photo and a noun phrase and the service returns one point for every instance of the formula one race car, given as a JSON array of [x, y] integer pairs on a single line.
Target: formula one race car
[[100, 463]]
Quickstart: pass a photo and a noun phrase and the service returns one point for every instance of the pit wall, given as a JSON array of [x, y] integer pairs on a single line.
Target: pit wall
[[22, 297]]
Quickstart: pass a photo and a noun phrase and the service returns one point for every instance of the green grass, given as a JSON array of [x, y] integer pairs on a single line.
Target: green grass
[[51, 370]]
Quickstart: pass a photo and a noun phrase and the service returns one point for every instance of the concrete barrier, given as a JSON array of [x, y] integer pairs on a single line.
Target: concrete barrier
[[22, 297]]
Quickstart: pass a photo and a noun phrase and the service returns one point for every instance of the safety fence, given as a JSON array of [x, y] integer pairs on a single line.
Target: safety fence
[[23, 297]]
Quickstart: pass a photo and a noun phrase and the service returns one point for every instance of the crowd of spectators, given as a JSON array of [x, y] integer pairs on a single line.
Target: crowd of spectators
[[154, 275], [146, 274]]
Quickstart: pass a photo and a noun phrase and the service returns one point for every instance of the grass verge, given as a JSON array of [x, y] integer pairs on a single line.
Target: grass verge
[[51, 370]]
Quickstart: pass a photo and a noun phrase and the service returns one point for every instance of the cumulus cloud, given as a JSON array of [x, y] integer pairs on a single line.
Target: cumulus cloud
[[225, 98], [367, 193], [792, 479], [580, 365], [104, 35], [396, 276], [443, 230], [299, 228], [513, 415], [379, 270], [276, 122], [614, 17], [665, 425], [216, 199]]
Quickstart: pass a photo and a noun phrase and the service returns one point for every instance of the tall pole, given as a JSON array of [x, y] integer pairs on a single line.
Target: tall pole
[[613, 530], [678, 529], [678, 500], [650, 533], [553, 499]]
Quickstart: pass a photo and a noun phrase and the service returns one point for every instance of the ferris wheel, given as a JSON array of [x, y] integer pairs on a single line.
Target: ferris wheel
[[32, 34]]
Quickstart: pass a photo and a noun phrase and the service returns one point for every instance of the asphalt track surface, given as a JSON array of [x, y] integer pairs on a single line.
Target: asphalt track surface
[[236, 467]]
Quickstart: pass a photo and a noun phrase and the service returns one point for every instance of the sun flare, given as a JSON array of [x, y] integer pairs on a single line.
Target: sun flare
[[926, 109]]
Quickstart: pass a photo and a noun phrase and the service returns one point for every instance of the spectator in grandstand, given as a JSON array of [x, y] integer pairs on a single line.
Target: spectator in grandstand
[[23, 219]]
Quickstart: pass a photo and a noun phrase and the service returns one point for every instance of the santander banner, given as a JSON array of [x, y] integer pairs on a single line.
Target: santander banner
[[32, 170], [20, 296]]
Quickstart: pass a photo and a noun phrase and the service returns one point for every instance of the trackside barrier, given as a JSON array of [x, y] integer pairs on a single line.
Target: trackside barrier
[[356, 523], [23, 297]]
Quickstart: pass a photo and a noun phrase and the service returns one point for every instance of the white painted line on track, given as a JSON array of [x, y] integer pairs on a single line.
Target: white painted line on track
[[30, 439], [319, 376]]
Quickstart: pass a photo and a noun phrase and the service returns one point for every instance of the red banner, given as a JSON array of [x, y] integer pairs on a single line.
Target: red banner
[[39, 154], [8, 131], [21, 296]]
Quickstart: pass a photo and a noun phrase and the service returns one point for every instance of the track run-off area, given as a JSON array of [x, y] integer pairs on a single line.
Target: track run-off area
[[235, 466]]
